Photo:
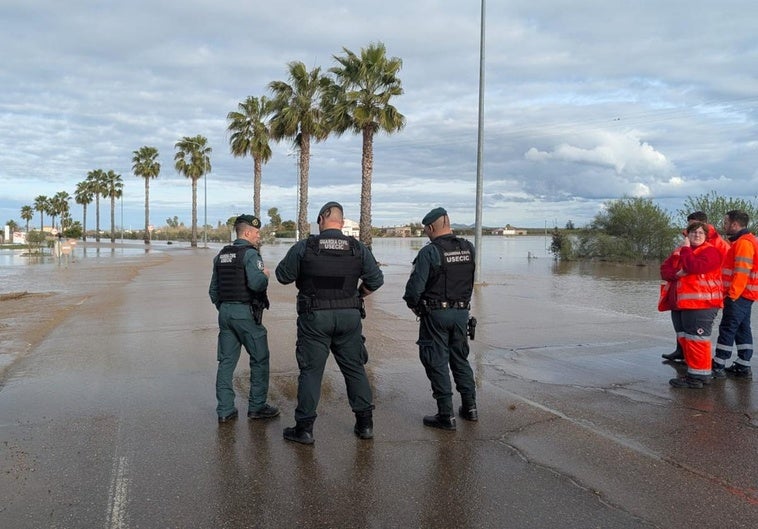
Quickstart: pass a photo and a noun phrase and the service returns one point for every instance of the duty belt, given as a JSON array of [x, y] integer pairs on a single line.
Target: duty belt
[[435, 305], [305, 305]]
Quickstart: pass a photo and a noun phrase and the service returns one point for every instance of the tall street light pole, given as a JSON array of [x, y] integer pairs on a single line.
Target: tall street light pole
[[205, 202], [480, 156]]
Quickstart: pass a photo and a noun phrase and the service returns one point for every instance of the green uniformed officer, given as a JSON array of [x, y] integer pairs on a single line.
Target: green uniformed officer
[[327, 269], [238, 290], [439, 293]]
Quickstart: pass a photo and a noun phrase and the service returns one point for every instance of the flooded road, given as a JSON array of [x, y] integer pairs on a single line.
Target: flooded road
[[109, 421]]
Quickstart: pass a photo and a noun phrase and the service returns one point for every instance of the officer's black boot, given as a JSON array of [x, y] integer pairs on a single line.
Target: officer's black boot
[[468, 409], [301, 433], [364, 424], [444, 419]]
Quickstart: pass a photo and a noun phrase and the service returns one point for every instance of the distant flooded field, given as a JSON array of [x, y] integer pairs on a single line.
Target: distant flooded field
[[523, 266]]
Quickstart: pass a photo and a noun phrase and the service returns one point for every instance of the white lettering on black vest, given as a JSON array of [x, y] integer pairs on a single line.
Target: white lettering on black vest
[[334, 244], [458, 256]]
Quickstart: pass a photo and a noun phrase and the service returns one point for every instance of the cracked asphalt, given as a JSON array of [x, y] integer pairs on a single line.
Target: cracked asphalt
[[109, 422]]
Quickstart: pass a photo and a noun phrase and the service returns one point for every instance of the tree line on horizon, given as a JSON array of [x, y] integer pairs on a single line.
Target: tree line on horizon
[[355, 95]]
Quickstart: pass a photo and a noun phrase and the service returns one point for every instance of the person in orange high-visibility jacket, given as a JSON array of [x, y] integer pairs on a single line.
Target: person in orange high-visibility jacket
[[694, 295], [713, 237], [740, 277]]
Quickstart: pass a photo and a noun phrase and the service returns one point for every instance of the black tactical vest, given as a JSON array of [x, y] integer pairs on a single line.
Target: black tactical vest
[[453, 280], [230, 274], [330, 270]]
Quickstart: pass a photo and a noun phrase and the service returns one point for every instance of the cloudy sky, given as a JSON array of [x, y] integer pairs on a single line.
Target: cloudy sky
[[585, 101]]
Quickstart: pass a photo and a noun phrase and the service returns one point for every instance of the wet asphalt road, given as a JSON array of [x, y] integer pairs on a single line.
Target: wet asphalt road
[[110, 423]]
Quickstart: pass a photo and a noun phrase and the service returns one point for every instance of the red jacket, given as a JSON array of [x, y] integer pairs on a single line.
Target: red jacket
[[699, 287]]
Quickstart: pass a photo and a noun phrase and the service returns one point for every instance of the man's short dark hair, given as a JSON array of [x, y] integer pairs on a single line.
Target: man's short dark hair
[[738, 216], [699, 216]]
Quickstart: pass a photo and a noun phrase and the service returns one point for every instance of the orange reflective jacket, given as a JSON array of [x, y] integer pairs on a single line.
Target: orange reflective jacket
[[740, 271]]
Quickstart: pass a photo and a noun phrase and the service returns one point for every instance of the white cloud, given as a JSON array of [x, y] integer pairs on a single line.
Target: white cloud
[[626, 154]]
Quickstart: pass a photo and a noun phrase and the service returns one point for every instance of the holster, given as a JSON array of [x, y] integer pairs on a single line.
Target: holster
[[256, 308], [257, 311], [422, 309]]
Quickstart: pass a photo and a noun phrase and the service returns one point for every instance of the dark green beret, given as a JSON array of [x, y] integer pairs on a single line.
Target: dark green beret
[[329, 205], [252, 220], [433, 215]]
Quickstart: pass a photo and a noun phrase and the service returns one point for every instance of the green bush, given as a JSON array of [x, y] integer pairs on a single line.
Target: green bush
[[35, 239], [630, 230], [562, 245]]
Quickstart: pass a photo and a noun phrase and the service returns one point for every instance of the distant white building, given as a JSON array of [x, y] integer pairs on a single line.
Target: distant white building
[[508, 231], [399, 231], [12, 237], [504, 231], [351, 228]]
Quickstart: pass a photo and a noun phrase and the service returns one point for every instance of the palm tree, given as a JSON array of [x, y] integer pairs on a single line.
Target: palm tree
[[360, 102], [40, 204], [59, 205], [114, 188], [65, 211], [192, 159], [84, 195], [27, 213], [96, 179], [250, 135], [52, 210], [297, 114], [145, 165]]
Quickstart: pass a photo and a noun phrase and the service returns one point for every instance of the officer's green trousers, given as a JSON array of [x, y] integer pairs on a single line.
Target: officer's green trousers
[[443, 342], [237, 328], [338, 331]]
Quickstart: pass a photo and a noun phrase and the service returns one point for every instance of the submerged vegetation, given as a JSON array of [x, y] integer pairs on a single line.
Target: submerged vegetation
[[635, 230]]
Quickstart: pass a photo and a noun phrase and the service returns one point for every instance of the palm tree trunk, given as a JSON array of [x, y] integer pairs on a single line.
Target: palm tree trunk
[[257, 186], [84, 222], [97, 217], [305, 156], [367, 168], [113, 219], [41, 222], [147, 210], [193, 242]]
